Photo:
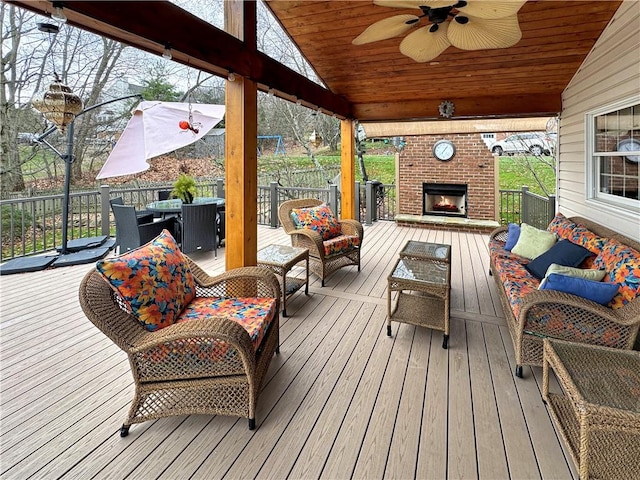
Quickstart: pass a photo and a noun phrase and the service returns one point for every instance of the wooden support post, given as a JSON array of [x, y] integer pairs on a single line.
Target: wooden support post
[[348, 168], [241, 158]]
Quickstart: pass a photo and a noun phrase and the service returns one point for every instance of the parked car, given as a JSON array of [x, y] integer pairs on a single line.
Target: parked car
[[535, 143]]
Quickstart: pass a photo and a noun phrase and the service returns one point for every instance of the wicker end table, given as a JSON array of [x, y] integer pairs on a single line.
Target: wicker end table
[[598, 414], [281, 259], [423, 297]]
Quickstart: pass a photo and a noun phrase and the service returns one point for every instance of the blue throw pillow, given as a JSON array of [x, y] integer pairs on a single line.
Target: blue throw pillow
[[599, 292], [563, 253], [512, 236]]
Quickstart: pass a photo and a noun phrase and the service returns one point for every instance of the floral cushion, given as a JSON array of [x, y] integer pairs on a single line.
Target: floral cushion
[[517, 281], [561, 226], [496, 249], [254, 314], [622, 264], [586, 238], [578, 234], [318, 218], [340, 244], [154, 281]]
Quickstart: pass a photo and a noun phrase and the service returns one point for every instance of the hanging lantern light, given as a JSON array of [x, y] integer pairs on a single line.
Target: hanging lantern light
[[59, 105]]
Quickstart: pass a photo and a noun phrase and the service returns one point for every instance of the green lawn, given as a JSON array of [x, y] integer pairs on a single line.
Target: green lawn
[[379, 167], [516, 172]]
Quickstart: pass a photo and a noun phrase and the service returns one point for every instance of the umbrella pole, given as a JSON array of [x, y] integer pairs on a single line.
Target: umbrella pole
[[68, 160]]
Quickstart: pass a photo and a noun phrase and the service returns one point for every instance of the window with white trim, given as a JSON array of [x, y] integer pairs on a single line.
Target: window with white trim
[[613, 155]]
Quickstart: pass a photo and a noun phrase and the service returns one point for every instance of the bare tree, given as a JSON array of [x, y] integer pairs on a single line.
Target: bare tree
[[16, 72]]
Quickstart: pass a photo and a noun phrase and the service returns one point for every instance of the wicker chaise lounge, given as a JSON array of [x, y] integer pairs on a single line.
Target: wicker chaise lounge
[[211, 358], [332, 243]]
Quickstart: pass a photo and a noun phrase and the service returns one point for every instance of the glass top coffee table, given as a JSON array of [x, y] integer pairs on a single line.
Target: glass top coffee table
[[281, 259], [598, 413], [438, 252], [423, 283]]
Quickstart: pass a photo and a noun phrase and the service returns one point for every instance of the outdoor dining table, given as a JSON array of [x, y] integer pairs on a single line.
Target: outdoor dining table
[[174, 205]]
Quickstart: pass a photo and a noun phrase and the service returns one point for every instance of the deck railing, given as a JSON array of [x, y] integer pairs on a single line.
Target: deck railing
[[517, 206], [33, 225]]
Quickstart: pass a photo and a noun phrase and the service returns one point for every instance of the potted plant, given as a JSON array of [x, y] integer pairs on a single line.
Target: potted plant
[[184, 188]]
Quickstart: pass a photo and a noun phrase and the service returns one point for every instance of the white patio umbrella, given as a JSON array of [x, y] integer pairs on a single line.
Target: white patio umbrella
[[156, 128]]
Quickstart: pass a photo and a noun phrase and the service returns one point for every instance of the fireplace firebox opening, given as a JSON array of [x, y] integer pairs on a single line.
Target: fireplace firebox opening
[[448, 199]]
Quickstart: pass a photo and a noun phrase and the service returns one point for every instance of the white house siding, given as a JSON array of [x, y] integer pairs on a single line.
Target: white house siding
[[611, 72]]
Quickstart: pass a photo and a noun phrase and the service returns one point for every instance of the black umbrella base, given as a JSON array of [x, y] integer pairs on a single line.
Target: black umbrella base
[[85, 243], [26, 264], [83, 256], [74, 257]]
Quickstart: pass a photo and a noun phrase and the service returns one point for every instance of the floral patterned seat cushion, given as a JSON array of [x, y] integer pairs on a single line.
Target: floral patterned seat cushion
[[517, 281], [340, 244], [622, 264], [253, 314], [318, 218], [154, 281]]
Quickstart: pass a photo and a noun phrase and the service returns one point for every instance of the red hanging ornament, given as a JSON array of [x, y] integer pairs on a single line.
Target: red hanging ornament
[[184, 125]]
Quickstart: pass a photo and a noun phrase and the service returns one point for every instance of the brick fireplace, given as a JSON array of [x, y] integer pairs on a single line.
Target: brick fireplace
[[472, 169]]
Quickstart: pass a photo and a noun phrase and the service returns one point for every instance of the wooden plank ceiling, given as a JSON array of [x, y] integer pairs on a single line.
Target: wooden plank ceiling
[[382, 84], [372, 82]]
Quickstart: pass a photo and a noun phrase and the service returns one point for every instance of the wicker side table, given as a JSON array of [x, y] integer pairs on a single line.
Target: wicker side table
[[598, 415], [281, 259], [423, 297]]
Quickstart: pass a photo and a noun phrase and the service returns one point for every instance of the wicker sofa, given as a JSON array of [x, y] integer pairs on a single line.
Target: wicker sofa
[[534, 314], [196, 344]]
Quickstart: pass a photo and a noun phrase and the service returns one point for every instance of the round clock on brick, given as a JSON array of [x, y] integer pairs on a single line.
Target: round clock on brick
[[444, 150]]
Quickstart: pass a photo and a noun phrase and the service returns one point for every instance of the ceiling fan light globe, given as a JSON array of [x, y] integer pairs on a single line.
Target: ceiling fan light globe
[[492, 10], [481, 34], [424, 45], [386, 28]]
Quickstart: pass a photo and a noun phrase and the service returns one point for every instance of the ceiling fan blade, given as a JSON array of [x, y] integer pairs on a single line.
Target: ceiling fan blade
[[414, 3], [424, 45], [387, 28], [480, 33], [489, 9]]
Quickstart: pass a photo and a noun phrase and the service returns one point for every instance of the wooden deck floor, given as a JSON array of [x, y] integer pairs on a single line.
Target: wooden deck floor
[[342, 400]]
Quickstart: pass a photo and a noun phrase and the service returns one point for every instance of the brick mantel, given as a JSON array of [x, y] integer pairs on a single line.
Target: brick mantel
[[473, 164]]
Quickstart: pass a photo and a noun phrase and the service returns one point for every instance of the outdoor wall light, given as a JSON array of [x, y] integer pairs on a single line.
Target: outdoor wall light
[[231, 77], [58, 12], [166, 53]]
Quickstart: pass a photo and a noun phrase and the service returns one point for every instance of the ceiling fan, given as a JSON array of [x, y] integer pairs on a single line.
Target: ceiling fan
[[468, 25]]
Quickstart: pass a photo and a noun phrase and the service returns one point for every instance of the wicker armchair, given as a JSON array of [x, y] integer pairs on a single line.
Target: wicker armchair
[[176, 369], [321, 263]]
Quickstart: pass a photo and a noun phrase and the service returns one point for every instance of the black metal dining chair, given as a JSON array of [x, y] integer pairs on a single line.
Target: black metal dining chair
[[142, 216], [199, 227], [130, 234]]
